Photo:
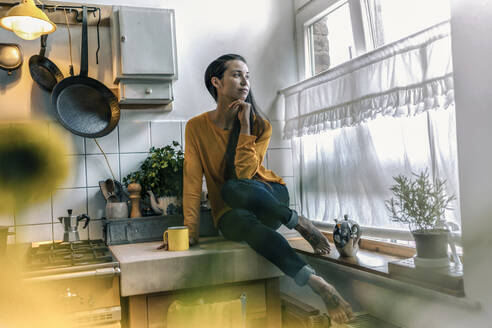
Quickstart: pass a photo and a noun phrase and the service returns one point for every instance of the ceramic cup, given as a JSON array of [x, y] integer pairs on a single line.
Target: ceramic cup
[[116, 210], [177, 238]]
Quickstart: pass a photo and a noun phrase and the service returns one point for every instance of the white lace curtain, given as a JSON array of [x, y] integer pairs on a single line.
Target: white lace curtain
[[386, 113]]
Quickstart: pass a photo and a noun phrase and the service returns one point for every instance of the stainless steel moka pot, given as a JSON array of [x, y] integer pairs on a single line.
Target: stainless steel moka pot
[[71, 225]]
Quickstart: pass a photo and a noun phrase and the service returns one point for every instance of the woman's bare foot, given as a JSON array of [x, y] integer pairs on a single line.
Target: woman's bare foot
[[316, 239], [338, 309]]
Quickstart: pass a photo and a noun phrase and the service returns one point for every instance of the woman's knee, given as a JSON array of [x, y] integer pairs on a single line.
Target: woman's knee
[[232, 189]]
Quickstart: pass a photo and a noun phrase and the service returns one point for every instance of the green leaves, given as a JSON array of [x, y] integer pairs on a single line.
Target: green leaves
[[418, 202], [161, 171]]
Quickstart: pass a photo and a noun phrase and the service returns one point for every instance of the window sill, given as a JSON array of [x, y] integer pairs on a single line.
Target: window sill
[[373, 258]]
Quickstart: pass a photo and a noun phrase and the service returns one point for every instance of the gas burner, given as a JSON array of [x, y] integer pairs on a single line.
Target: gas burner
[[67, 254], [72, 256]]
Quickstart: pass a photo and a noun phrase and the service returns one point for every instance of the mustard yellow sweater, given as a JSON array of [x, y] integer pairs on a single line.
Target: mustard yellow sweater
[[205, 146]]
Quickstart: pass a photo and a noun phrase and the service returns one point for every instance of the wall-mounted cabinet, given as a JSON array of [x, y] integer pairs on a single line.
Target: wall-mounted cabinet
[[144, 54]]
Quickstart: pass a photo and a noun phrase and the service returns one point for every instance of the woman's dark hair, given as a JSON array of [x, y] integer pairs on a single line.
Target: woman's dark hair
[[217, 69]]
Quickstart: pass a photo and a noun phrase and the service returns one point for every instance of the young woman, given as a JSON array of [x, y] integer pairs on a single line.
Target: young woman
[[249, 202]]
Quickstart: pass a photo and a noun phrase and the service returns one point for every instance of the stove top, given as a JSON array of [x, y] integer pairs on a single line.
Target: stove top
[[68, 254]]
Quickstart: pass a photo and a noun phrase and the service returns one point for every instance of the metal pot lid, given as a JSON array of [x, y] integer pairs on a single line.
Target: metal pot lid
[[10, 56]]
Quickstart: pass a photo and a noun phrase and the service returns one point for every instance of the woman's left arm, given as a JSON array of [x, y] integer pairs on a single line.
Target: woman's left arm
[[250, 152]]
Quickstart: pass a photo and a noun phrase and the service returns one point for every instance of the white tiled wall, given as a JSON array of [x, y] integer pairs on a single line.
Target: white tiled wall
[[95, 203], [126, 147], [77, 176], [40, 213], [108, 143], [97, 168], [134, 137], [280, 159], [131, 162], [164, 133]]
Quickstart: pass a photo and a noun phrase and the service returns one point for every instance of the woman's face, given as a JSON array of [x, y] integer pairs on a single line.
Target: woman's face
[[235, 82]]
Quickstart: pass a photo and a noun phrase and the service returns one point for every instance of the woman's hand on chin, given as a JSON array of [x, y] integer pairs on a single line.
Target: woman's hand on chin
[[243, 109]]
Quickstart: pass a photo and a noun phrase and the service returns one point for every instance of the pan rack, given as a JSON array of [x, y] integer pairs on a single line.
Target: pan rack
[[97, 16]]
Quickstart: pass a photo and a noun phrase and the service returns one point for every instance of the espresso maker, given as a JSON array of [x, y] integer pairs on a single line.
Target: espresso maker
[[71, 225]]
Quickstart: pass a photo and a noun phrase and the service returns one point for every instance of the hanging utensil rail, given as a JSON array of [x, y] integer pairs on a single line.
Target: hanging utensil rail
[[69, 10]]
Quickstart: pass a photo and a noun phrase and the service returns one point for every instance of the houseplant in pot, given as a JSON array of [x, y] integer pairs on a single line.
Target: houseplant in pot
[[161, 178], [420, 203]]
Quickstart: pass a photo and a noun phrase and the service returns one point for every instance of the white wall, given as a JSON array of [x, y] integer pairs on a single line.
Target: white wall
[[471, 28], [259, 30]]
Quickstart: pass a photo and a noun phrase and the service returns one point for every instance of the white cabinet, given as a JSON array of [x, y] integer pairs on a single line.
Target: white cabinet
[[144, 54]]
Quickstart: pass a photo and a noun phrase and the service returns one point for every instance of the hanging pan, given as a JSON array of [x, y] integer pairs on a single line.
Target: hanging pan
[[83, 105], [43, 71]]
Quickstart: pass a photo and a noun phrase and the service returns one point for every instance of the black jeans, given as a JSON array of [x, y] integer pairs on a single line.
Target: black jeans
[[257, 211]]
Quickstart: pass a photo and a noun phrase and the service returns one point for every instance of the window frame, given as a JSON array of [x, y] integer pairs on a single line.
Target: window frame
[[314, 11], [364, 41]]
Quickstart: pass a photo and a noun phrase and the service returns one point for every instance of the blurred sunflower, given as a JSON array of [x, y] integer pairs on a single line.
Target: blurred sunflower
[[32, 164]]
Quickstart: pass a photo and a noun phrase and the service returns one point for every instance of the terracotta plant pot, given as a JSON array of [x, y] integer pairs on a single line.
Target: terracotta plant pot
[[431, 244]]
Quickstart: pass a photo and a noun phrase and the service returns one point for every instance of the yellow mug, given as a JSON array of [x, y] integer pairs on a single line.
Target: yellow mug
[[177, 238]]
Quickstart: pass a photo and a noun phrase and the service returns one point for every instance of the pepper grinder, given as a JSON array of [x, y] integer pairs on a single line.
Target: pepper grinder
[[134, 189]]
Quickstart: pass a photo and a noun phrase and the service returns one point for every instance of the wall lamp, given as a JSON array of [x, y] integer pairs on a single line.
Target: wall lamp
[[27, 21]]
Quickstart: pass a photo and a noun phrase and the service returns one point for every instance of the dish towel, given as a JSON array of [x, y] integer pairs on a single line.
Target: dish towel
[[220, 314]]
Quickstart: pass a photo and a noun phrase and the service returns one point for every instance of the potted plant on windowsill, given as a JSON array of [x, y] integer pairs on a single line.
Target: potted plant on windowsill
[[161, 178], [421, 205]]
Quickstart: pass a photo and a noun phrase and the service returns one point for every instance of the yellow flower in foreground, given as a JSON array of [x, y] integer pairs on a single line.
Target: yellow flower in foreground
[[32, 164]]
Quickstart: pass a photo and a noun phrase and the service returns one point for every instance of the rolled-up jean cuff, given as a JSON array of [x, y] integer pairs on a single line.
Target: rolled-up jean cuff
[[294, 219], [303, 275]]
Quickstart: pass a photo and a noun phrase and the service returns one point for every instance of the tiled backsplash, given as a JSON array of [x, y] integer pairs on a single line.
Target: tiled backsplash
[[126, 147]]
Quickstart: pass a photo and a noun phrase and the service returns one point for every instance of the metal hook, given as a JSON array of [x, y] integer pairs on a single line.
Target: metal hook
[[97, 28], [78, 16]]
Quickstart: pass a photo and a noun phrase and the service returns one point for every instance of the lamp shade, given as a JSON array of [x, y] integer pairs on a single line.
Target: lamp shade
[[27, 21]]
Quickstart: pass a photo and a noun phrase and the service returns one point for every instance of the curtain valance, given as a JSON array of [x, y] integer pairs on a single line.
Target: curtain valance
[[403, 78]]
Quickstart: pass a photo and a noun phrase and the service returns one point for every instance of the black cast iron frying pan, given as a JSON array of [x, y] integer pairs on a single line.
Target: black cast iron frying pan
[[85, 106], [43, 71]]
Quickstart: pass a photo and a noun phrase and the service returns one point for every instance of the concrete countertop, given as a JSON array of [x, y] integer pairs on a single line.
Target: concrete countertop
[[213, 261]]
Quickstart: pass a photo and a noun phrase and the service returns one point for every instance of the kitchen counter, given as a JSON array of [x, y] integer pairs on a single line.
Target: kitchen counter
[[214, 261]]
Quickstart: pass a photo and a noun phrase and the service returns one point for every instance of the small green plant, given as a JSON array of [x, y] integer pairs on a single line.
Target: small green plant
[[161, 172], [418, 202]]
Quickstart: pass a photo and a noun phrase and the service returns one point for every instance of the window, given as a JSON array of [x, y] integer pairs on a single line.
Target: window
[[349, 170], [329, 45], [388, 113], [337, 31], [392, 20]]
